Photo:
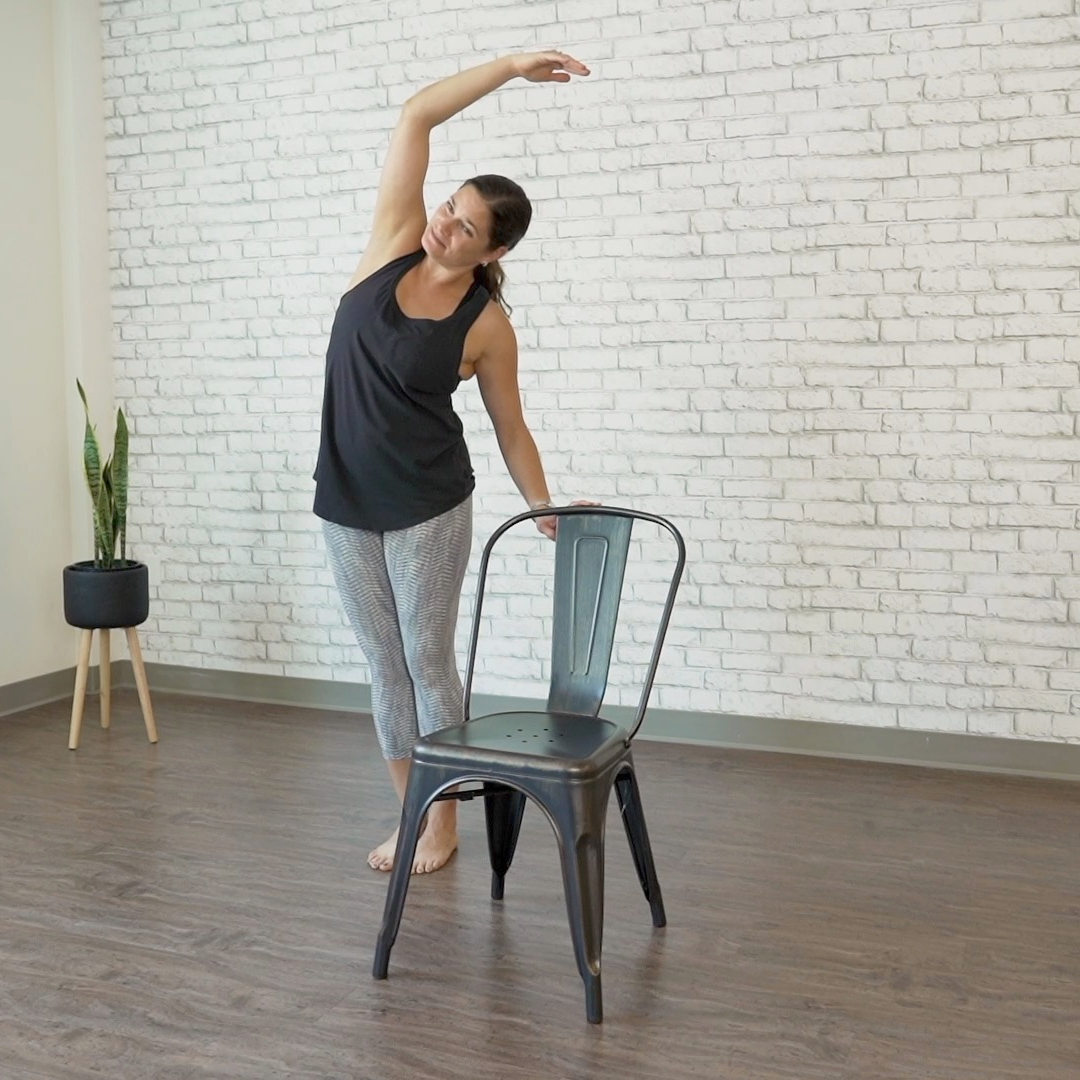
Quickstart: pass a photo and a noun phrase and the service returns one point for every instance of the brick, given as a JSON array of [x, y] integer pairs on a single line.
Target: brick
[[817, 309]]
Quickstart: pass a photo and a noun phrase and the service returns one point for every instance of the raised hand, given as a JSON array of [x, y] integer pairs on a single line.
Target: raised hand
[[548, 66]]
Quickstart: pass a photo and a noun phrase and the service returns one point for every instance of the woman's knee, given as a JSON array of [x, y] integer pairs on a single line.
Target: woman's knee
[[429, 660], [386, 658]]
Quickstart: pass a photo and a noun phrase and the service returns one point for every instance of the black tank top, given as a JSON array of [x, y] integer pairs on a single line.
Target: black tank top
[[392, 452]]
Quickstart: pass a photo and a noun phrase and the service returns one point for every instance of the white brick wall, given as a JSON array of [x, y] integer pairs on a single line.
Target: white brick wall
[[804, 276]]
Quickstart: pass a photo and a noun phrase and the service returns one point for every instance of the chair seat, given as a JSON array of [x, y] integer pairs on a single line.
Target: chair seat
[[532, 742]]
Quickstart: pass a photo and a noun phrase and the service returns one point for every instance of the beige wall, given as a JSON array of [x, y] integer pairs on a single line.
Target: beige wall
[[53, 313]]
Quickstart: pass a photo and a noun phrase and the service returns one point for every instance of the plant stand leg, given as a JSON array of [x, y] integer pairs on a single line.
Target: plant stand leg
[[141, 684], [105, 674], [81, 673]]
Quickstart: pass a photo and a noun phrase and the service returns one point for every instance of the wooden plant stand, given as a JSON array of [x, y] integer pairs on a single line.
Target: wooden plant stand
[[83, 671]]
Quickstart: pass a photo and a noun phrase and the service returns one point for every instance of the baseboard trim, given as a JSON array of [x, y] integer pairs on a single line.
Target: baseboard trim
[[932, 749], [259, 689], [41, 690]]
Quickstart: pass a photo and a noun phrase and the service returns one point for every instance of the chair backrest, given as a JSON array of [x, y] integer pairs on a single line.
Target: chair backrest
[[590, 562]]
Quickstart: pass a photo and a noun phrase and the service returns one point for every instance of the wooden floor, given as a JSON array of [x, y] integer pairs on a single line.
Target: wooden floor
[[202, 909]]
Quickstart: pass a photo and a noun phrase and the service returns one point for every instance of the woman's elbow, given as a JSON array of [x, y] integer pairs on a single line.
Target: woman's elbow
[[415, 112], [513, 437]]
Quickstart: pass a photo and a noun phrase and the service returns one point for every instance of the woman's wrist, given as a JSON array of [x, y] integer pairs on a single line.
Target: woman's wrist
[[540, 504]]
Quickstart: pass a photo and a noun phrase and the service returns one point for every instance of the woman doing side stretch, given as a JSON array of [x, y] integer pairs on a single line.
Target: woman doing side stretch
[[394, 482]]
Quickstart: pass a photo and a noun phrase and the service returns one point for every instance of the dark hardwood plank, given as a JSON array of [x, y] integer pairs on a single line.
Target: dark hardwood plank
[[202, 909]]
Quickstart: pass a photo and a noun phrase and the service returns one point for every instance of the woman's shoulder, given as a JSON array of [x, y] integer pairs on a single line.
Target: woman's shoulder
[[380, 257], [493, 317], [493, 332]]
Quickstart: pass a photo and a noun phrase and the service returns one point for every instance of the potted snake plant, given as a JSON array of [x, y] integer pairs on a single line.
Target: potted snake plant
[[109, 590]]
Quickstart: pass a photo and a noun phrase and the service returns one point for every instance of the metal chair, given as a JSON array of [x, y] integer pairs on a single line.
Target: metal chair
[[567, 758]]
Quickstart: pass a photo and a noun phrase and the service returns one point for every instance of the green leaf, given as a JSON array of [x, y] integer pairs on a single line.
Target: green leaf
[[109, 523], [120, 479], [91, 451], [103, 516]]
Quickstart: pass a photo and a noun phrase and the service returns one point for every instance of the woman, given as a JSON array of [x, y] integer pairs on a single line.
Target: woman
[[394, 484]]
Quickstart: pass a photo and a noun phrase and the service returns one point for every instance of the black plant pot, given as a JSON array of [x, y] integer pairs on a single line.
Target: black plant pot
[[97, 599]]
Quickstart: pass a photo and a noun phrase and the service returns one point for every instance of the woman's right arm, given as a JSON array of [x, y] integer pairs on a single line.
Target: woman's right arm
[[400, 214]]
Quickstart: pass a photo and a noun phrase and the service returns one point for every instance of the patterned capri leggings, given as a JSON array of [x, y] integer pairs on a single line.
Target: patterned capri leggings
[[401, 591]]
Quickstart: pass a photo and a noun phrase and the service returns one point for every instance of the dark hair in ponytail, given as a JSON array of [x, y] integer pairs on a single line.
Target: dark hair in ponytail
[[511, 213]]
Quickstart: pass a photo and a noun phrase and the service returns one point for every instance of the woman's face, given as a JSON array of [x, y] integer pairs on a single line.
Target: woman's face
[[457, 232]]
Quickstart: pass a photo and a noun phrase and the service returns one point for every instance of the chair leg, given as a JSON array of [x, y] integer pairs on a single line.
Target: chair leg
[[626, 790], [503, 809], [82, 671], [418, 795], [581, 844]]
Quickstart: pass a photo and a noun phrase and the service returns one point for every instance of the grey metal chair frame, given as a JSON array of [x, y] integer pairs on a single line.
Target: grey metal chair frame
[[566, 759]]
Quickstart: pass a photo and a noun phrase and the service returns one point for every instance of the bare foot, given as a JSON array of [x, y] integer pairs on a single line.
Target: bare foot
[[438, 842], [382, 857]]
